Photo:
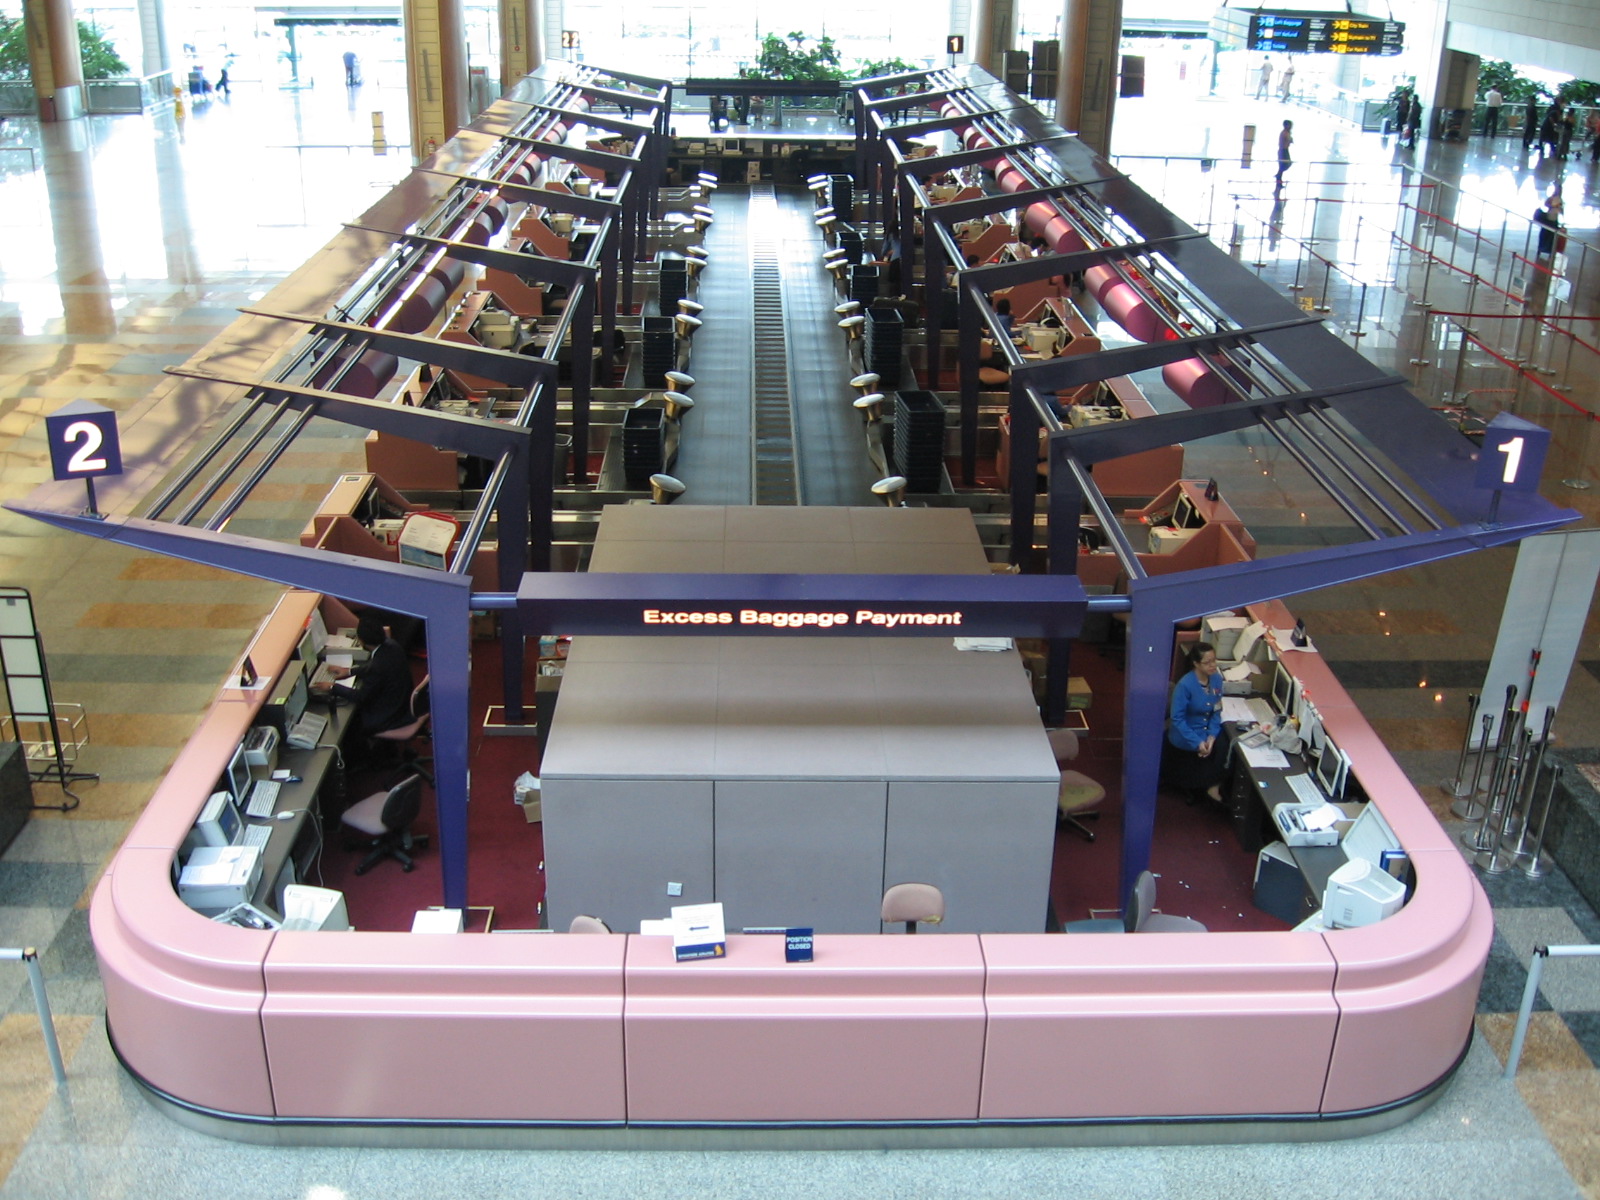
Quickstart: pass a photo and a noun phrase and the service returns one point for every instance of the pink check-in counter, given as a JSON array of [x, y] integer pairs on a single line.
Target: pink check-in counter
[[237, 1029]]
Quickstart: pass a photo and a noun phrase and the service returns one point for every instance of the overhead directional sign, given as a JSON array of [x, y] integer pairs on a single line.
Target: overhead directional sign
[[1292, 31]]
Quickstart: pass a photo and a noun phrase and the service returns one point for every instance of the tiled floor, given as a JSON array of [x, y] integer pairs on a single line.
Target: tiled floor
[[131, 249]]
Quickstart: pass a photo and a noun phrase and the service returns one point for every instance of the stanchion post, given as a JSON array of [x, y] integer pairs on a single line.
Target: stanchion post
[[29, 957], [1454, 787]]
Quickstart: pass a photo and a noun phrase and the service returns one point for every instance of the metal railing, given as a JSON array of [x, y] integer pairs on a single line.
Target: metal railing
[[29, 958], [1531, 990]]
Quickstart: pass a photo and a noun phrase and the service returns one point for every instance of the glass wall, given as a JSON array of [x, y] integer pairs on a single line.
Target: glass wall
[[680, 38]]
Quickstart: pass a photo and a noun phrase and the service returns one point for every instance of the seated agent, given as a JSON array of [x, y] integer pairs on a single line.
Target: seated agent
[[383, 686], [1192, 760]]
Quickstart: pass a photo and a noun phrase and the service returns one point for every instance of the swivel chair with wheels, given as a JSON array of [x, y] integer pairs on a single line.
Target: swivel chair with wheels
[[385, 819], [1142, 917], [913, 903], [1079, 794], [582, 923], [402, 736]]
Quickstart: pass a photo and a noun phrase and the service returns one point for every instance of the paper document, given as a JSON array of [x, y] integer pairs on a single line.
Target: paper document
[[1321, 818], [993, 643], [1240, 673], [1265, 756], [340, 660], [1283, 640], [1236, 708], [1228, 622]]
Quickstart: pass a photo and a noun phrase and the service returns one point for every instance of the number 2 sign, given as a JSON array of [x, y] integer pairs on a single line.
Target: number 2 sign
[[83, 441], [1512, 458]]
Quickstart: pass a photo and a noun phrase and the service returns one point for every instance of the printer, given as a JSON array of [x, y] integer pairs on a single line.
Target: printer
[[217, 878], [1290, 818], [1360, 893]]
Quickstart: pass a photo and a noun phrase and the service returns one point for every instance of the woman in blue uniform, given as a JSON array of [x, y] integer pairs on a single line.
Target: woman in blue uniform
[[1193, 759]]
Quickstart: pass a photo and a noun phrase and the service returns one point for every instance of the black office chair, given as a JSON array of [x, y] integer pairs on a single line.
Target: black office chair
[[402, 736], [385, 819]]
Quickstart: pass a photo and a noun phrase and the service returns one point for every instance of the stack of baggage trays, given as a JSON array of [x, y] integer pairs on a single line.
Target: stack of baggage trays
[[884, 336], [644, 444], [919, 440], [659, 352], [672, 285]]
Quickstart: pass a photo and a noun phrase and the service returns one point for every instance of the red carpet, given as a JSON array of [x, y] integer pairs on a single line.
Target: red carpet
[[505, 850], [1202, 871]]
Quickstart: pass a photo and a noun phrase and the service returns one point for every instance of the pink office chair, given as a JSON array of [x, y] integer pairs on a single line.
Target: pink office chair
[[913, 903], [1079, 794], [402, 736], [385, 820]]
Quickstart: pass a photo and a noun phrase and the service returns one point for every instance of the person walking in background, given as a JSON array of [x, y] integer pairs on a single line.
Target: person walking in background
[[352, 69], [1264, 82], [1285, 140], [1286, 84], [1492, 100], [1550, 129], [222, 84], [1530, 123], [1548, 222], [1413, 121]]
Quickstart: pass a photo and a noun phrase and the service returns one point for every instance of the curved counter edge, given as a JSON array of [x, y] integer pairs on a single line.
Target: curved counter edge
[[618, 1135]]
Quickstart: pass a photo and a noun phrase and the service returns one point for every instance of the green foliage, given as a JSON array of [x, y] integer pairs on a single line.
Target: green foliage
[[883, 66], [793, 58], [100, 60], [1578, 91], [1515, 88]]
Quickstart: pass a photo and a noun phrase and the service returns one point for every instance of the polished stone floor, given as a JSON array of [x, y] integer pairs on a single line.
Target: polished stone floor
[[129, 242]]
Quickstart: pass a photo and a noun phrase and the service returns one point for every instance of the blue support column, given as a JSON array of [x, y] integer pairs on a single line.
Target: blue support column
[[1144, 717], [450, 672]]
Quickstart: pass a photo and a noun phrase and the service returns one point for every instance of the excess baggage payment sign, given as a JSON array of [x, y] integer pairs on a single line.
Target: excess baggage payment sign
[[1289, 32], [645, 605]]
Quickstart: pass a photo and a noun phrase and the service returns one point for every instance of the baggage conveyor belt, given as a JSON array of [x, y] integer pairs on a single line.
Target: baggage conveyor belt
[[772, 422]]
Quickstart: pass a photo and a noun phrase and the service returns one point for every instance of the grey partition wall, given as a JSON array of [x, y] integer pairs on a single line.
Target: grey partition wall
[[806, 773]]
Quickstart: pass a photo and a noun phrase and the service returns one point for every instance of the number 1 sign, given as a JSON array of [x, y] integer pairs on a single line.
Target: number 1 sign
[[1512, 458], [83, 443]]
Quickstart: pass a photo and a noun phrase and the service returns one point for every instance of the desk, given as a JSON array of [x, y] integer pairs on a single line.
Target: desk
[[297, 837], [1252, 794]]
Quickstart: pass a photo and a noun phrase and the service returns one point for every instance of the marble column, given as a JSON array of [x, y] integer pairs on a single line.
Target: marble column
[[54, 58], [521, 39], [436, 72]]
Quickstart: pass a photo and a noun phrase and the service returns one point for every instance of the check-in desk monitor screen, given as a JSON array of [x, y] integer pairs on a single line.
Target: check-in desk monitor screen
[[1331, 770], [237, 780], [1370, 837], [1285, 691]]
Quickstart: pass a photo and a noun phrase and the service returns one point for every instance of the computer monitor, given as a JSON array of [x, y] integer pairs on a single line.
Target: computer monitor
[[238, 779], [1185, 515], [314, 909], [219, 822], [318, 629], [308, 647], [1370, 837], [294, 704], [1284, 690], [1330, 772]]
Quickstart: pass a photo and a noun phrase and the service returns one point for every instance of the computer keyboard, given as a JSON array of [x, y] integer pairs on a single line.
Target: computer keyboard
[[1305, 789], [1261, 712], [305, 733], [322, 676], [263, 798], [257, 836]]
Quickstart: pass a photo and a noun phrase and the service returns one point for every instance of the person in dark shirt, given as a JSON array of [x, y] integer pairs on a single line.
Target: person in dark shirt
[[383, 683]]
